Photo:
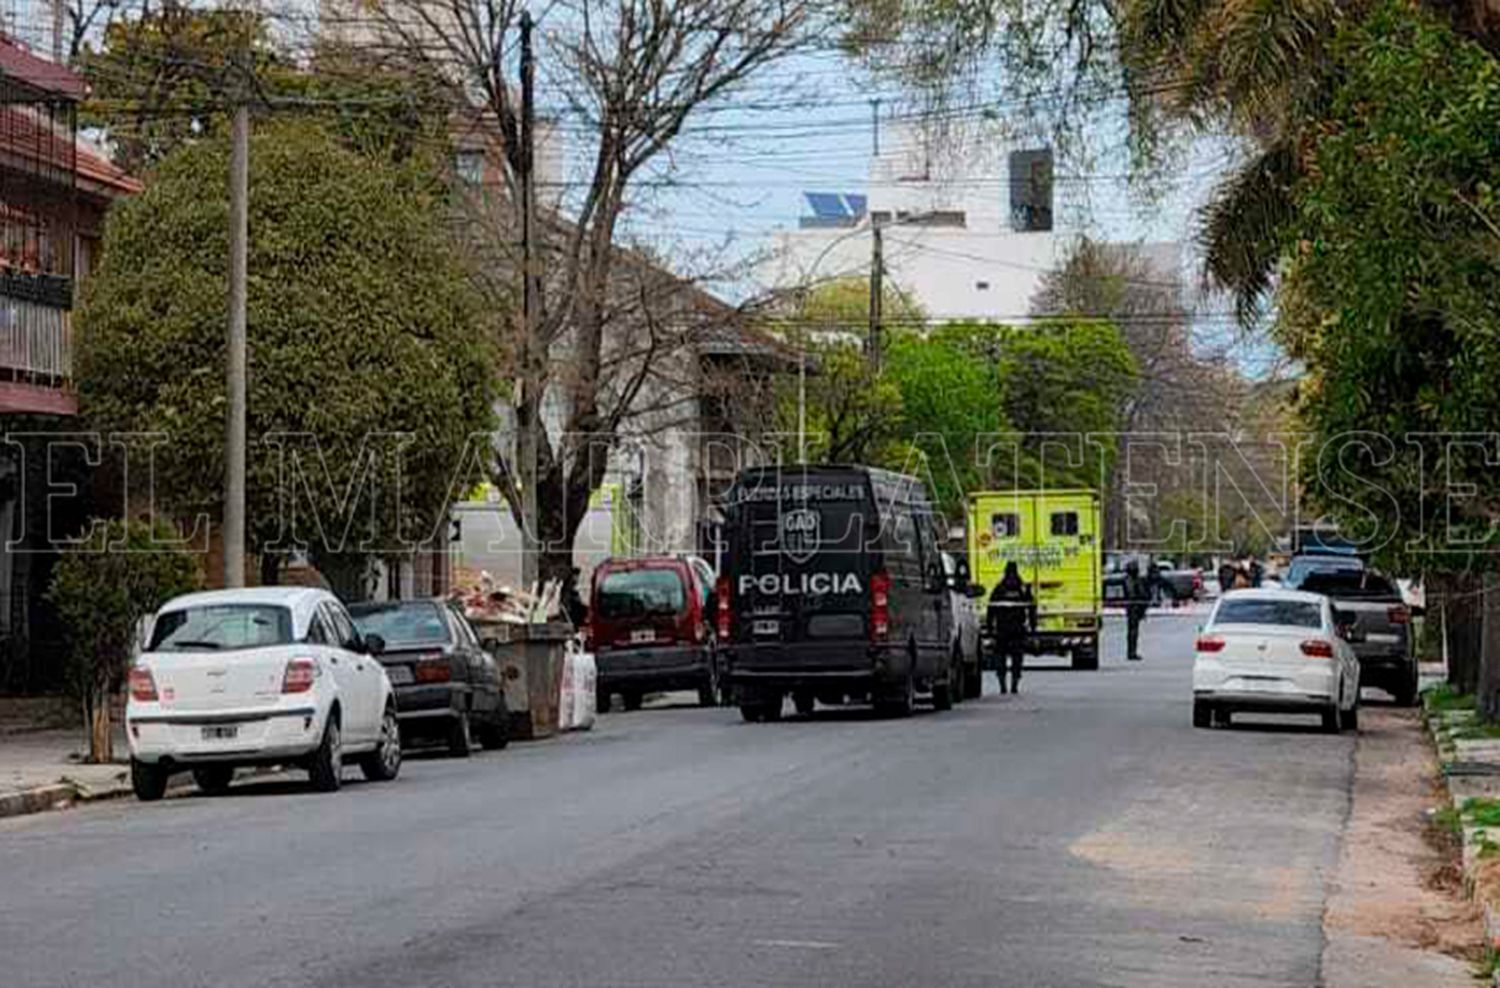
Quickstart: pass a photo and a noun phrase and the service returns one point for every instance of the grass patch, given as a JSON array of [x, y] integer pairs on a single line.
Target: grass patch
[[1444, 697], [1475, 731], [1482, 811], [1489, 965], [1449, 821]]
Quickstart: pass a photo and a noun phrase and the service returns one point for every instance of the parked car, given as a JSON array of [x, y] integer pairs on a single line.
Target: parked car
[[834, 591], [447, 686], [964, 630], [649, 629], [1277, 651], [1303, 566], [1385, 649], [272, 675]]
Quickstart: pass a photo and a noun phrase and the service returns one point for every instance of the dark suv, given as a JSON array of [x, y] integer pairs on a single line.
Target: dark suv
[[834, 591], [648, 628]]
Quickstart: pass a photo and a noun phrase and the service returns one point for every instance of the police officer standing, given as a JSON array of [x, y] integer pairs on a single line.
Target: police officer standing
[[1137, 599], [1011, 616]]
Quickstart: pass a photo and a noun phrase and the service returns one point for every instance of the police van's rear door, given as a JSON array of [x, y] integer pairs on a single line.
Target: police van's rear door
[[804, 567]]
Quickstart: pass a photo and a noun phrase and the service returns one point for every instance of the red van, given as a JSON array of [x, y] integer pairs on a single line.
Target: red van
[[649, 628]]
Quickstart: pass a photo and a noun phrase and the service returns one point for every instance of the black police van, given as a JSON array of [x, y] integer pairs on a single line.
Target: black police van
[[834, 590]]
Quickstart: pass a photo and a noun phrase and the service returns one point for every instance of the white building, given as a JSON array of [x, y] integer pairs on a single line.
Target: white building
[[970, 225]]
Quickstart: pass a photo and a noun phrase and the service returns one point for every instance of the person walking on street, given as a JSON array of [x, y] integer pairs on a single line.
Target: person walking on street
[[1257, 571], [1137, 599], [1011, 617], [1226, 576]]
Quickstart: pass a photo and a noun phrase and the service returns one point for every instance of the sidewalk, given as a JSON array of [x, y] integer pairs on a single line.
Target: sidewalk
[[43, 770]]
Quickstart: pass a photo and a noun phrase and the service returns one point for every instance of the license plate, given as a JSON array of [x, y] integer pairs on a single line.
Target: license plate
[[221, 732], [399, 675], [642, 635], [766, 627], [1382, 636]]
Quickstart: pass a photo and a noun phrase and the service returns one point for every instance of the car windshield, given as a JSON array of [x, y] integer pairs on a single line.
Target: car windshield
[[1351, 585], [640, 592], [1260, 610], [417, 622], [219, 627]]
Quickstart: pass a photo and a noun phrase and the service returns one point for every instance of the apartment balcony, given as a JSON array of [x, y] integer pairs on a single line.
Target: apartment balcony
[[36, 357]]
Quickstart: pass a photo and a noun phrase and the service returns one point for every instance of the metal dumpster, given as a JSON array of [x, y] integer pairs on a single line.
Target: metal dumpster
[[530, 657]]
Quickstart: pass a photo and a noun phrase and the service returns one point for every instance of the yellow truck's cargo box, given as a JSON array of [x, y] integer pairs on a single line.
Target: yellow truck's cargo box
[[1054, 538]]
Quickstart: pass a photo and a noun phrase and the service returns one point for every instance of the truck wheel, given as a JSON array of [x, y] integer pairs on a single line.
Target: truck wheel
[[1406, 694], [771, 704], [804, 701], [149, 781], [752, 713], [900, 702], [632, 699], [942, 692], [1086, 657]]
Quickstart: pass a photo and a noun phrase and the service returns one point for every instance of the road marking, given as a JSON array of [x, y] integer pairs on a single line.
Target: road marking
[[798, 944]]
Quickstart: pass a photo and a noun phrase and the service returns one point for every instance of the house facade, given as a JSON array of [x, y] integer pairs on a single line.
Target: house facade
[[54, 192]]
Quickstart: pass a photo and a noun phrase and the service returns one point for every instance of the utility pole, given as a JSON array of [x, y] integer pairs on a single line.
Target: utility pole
[[234, 432], [877, 292], [875, 124], [530, 425]]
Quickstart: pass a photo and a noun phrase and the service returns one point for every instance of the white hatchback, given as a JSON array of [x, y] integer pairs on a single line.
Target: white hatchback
[[1275, 651], [271, 675]]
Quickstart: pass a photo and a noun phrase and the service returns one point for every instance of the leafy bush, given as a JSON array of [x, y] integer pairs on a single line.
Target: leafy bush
[[123, 572]]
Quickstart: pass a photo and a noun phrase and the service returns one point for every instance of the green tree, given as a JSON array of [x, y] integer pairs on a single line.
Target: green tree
[[1391, 293], [362, 323], [164, 77], [123, 572]]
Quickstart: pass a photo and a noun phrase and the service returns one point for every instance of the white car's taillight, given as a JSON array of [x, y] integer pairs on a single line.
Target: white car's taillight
[[1317, 648], [1209, 643], [142, 685], [299, 676]]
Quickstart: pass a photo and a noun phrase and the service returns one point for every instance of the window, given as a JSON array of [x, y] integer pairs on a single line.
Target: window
[[340, 626], [640, 593], [1005, 526], [468, 163], [1031, 191], [982, 286], [407, 623], [1292, 613], [1064, 523], [217, 627]]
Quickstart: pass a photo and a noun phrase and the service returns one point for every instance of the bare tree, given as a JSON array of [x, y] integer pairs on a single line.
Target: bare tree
[[631, 74]]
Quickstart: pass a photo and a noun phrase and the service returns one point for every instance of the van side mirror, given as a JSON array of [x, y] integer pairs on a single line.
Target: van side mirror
[[374, 645]]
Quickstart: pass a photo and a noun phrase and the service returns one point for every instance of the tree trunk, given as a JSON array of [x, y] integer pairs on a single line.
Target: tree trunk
[[1488, 694], [101, 734], [1463, 617]]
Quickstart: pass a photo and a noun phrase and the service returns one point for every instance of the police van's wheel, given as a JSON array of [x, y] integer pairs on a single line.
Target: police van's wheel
[[900, 701], [1086, 657], [751, 712], [804, 701], [771, 705], [942, 692], [974, 683], [958, 687]]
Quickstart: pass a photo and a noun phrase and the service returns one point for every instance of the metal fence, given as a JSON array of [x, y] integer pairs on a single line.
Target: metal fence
[[35, 340]]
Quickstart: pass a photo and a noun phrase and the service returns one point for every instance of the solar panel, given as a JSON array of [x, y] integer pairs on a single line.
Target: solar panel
[[827, 205], [858, 204]]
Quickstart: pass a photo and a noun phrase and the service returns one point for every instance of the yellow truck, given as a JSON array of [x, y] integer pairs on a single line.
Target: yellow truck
[[1054, 537]]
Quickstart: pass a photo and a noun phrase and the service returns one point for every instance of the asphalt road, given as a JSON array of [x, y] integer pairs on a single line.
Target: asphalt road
[[1080, 834]]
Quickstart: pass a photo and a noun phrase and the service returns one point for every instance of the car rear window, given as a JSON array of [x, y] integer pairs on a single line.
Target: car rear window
[[636, 593], [1304, 567], [1351, 585], [1292, 613], [221, 627], [416, 622]]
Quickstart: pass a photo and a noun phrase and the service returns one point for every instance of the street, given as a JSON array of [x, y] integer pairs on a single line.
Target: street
[[1079, 834]]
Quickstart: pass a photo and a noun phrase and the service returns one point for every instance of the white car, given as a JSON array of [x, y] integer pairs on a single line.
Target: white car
[[272, 675], [1275, 651]]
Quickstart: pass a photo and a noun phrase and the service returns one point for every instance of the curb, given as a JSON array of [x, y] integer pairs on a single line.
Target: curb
[[1479, 887], [35, 800]]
